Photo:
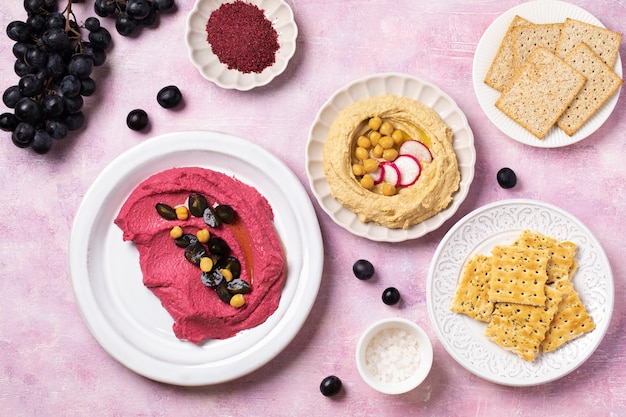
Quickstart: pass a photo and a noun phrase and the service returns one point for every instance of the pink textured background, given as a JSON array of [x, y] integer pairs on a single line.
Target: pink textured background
[[50, 365]]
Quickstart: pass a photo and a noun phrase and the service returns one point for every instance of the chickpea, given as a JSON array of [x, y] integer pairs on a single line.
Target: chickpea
[[361, 153], [386, 129], [367, 182], [387, 142], [203, 235], [182, 213], [206, 264], [390, 154], [228, 276], [237, 301], [370, 165], [364, 142], [378, 150], [398, 136], [176, 232], [388, 189], [374, 123], [358, 170], [374, 137]]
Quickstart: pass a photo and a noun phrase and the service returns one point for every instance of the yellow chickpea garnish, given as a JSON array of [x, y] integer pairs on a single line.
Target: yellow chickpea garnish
[[364, 142], [370, 165], [367, 182], [378, 150], [228, 276], [176, 232], [182, 213], [390, 154], [203, 235], [386, 129], [237, 301], [387, 142], [398, 136], [388, 189], [374, 137], [206, 264], [361, 153], [374, 123], [358, 170]]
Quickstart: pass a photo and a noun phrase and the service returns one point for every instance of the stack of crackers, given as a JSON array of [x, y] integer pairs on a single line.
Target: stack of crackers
[[525, 294], [554, 73]]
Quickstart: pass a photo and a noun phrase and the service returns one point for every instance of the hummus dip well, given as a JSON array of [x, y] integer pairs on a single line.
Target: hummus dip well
[[437, 182], [198, 312]]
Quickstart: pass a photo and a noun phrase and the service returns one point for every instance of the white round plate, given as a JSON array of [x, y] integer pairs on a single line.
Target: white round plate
[[202, 57], [129, 321], [501, 223], [541, 11], [400, 85]]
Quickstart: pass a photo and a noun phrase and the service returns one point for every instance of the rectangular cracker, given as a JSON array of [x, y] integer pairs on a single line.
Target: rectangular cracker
[[518, 275], [570, 321], [472, 293], [528, 37], [561, 253], [540, 92], [502, 68], [603, 42], [602, 82], [521, 328]]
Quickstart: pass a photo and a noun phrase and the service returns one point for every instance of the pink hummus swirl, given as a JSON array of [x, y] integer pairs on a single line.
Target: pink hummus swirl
[[197, 311]]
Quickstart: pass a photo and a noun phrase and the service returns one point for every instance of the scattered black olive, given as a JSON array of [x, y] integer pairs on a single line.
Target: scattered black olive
[[231, 263], [238, 286], [218, 246], [185, 240], [223, 293], [194, 252], [331, 385], [225, 213], [391, 296], [506, 178], [363, 269], [211, 218], [212, 278], [169, 97], [197, 204], [137, 119], [165, 211]]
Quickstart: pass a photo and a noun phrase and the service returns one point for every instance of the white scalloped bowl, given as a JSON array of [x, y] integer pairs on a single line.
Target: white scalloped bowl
[[202, 57]]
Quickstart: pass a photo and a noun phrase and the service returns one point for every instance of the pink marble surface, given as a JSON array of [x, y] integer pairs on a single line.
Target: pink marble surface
[[52, 366]]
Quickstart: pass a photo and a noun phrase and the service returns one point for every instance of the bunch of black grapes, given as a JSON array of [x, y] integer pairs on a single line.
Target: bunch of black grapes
[[131, 15], [54, 65]]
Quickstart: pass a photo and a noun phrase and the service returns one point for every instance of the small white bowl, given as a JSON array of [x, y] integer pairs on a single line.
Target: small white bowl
[[425, 359], [202, 57]]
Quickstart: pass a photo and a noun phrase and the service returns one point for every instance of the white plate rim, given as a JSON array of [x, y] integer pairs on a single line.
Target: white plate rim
[[209, 66], [260, 344], [402, 85], [538, 11], [462, 336]]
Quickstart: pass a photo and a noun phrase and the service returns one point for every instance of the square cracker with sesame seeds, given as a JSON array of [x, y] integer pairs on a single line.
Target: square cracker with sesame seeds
[[521, 328], [561, 253], [540, 92], [472, 292], [518, 275]]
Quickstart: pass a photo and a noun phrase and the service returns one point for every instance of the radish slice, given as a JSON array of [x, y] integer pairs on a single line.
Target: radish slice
[[391, 173], [409, 168], [379, 174], [417, 149]]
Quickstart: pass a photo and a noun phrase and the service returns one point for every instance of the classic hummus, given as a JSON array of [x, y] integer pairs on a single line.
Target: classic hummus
[[197, 310], [436, 183]]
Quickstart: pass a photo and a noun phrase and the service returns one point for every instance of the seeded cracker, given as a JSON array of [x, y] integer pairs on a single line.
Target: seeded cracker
[[521, 328], [541, 92], [528, 37], [518, 275], [472, 292], [502, 67], [603, 42], [602, 82], [570, 321], [561, 254]]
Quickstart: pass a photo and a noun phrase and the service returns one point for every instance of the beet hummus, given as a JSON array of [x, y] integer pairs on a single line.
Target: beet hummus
[[197, 310]]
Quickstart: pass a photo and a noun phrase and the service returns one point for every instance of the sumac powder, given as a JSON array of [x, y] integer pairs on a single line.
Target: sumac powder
[[242, 37]]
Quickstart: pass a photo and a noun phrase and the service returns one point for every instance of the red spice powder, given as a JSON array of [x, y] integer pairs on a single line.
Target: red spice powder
[[241, 37]]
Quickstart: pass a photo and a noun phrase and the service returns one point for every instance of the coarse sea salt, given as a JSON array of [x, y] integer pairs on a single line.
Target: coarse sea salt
[[392, 355]]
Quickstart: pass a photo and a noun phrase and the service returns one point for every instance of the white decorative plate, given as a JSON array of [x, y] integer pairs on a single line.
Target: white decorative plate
[[501, 223], [400, 85], [129, 321], [540, 11], [202, 57]]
